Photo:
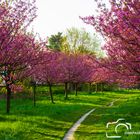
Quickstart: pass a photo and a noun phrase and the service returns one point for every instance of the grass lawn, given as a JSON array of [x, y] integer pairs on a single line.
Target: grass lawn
[[49, 121], [128, 107]]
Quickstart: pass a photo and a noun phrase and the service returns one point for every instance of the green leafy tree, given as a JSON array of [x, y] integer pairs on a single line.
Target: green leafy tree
[[80, 41], [56, 41]]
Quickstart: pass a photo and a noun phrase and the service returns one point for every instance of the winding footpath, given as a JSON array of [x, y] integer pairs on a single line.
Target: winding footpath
[[69, 134], [71, 131]]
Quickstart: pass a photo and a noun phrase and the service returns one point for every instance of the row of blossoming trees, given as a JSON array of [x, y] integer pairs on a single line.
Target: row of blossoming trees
[[22, 56]]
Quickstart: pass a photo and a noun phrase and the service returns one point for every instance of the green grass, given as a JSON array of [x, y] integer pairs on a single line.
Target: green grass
[[127, 107], [49, 121]]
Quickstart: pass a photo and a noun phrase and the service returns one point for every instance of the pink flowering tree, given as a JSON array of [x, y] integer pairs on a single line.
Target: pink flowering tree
[[18, 48], [75, 68], [47, 70], [119, 25], [31, 72]]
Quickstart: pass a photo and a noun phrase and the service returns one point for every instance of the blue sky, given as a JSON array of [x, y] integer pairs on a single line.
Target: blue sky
[[58, 15]]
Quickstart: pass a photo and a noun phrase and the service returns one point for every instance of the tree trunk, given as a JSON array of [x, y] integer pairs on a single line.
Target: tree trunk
[[101, 87], [8, 98], [76, 90], [34, 94], [96, 87], [66, 91], [51, 94], [89, 88]]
